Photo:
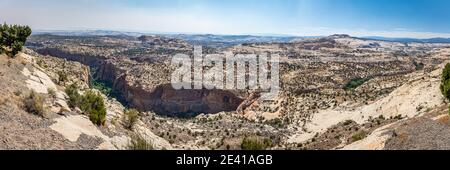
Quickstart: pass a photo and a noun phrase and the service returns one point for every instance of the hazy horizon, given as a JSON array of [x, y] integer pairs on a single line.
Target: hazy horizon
[[55, 31]]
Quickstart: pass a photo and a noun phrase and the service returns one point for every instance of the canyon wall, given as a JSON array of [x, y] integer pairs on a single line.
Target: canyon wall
[[160, 98], [89, 60]]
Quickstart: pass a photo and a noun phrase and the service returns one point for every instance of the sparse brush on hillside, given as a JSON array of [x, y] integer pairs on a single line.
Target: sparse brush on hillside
[[277, 122], [34, 103], [13, 38], [253, 143], [130, 118], [139, 143]]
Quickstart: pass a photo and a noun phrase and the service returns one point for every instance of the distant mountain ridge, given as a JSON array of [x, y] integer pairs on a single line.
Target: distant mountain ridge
[[228, 40], [410, 40]]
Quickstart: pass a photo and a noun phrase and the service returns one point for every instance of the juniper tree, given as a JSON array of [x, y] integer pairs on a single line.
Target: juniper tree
[[13, 38]]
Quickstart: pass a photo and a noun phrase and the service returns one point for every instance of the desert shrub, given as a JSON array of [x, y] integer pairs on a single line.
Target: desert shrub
[[17, 92], [418, 66], [355, 83], [399, 117], [12, 38], [130, 118], [34, 103], [359, 136], [277, 122], [62, 78], [92, 103], [445, 82], [139, 143], [348, 122], [253, 143], [41, 63], [74, 96], [51, 92]]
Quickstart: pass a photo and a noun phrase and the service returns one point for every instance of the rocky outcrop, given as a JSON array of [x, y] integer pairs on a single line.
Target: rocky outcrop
[[253, 97], [53, 67]]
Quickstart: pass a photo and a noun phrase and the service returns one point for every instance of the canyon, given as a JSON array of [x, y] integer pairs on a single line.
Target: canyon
[[158, 97], [336, 92]]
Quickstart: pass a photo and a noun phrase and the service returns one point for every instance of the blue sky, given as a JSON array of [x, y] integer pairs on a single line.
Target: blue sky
[[389, 18]]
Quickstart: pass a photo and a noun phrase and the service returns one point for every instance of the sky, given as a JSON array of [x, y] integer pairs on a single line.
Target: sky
[[388, 18]]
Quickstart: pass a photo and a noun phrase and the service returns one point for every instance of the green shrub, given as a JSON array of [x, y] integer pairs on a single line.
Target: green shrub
[[355, 83], [34, 103], [277, 122], [253, 143], [139, 143], [359, 136], [74, 96], [13, 38], [130, 118], [445, 82], [92, 103], [62, 78]]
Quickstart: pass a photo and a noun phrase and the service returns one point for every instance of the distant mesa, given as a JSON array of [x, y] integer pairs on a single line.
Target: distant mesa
[[340, 36]]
